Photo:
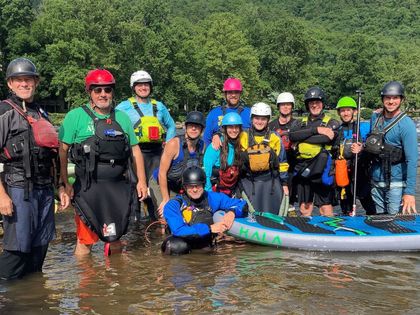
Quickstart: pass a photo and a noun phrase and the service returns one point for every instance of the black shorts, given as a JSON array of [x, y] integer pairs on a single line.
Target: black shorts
[[317, 193]]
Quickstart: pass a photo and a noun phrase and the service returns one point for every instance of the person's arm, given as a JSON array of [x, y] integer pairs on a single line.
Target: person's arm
[[209, 160], [170, 152], [283, 167], [210, 130], [65, 189], [6, 204], [168, 122], [138, 164], [409, 142]]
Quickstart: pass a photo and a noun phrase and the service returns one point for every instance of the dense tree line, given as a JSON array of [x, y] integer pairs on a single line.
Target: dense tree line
[[191, 46]]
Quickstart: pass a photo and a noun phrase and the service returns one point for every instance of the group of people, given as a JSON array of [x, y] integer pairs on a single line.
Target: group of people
[[238, 158]]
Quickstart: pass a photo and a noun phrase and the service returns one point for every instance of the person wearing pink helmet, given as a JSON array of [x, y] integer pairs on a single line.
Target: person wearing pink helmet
[[232, 89], [110, 173]]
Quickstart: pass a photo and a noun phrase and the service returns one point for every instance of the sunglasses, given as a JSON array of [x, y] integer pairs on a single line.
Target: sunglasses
[[98, 90]]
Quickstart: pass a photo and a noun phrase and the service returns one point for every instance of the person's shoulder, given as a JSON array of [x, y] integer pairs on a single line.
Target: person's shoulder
[[123, 105], [408, 121], [4, 107], [122, 116], [215, 110]]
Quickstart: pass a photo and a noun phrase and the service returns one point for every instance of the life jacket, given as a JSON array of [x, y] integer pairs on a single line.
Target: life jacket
[[193, 212], [31, 150], [309, 150], [385, 153], [260, 157], [148, 128], [104, 155], [227, 180], [174, 175], [284, 135]]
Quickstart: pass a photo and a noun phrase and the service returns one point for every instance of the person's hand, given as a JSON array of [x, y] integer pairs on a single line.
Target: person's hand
[[69, 190], [160, 208], [286, 190], [356, 148], [216, 142], [326, 132], [228, 219], [64, 198], [218, 227], [141, 190], [6, 205], [409, 204]]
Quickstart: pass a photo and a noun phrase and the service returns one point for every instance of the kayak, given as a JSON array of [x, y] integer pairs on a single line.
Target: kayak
[[341, 233]]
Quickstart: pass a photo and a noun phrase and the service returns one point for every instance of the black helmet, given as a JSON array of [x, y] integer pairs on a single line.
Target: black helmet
[[193, 175], [314, 93], [20, 67], [393, 88], [196, 118]]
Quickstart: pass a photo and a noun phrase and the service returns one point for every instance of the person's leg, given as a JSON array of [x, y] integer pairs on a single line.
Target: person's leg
[[394, 199], [305, 198], [13, 264], [323, 198], [378, 196], [85, 238], [151, 162], [36, 259]]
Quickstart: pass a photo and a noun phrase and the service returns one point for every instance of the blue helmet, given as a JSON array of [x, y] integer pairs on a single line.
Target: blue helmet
[[231, 119]]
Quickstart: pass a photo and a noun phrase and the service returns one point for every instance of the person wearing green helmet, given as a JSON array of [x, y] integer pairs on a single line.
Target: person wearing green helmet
[[345, 148]]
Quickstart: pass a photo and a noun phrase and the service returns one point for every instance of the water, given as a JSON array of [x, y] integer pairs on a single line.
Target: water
[[236, 278]]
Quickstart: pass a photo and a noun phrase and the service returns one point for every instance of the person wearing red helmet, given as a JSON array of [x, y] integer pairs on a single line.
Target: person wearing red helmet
[[108, 162], [232, 89]]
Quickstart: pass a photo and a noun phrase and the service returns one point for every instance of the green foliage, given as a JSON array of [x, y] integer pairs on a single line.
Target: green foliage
[[366, 113], [191, 46]]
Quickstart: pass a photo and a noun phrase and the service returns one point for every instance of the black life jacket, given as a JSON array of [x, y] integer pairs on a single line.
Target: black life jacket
[[30, 154], [105, 155], [174, 175], [195, 211], [384, 153]]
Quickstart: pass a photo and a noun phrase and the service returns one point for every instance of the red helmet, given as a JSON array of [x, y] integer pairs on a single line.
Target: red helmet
[[99, 77], [232, 84]]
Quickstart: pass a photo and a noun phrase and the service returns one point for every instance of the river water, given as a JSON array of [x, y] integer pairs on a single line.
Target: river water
[[236, 278]]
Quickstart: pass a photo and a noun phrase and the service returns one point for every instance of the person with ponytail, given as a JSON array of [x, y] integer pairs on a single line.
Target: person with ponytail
[[223, 166]]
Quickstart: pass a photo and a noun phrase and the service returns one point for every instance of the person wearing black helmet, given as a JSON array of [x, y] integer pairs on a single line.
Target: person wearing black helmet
[[190, 214], [179, 153], [312, 137], [393, 147], [26, 186]]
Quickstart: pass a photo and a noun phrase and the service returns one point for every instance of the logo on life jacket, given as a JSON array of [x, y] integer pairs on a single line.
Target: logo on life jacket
[[148, 128]]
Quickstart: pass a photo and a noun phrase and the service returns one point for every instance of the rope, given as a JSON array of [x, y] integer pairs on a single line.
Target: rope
[[162, 222]]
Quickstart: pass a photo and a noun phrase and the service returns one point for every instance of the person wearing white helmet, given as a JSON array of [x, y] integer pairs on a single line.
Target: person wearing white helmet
[[264, 179], [153, 125], [282, 125]]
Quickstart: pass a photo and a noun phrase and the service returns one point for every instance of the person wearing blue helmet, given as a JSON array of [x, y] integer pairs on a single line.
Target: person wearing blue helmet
[[222, 166]]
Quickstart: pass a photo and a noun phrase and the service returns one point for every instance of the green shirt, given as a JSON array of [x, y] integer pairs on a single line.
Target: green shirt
[[78, 126]]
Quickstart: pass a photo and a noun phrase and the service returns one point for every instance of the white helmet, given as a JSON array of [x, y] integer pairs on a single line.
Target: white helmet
[[286, 97], [261, 109], [140, 76]]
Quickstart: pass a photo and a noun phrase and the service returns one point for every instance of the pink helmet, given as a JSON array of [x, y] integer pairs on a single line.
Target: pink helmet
[[232, 84]]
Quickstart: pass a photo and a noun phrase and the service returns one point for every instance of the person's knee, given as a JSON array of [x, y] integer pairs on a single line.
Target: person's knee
[[175, 246], [306, 208]]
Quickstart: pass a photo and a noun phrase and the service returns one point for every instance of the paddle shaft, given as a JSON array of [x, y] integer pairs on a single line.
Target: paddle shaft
[[356, 164]]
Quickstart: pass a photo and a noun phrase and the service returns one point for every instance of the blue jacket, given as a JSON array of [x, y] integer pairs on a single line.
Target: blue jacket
[[217, 201], [214, 119], [162, 114], [403, 135]]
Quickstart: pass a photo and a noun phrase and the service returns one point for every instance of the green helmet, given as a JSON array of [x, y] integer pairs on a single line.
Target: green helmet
[[346, 101]]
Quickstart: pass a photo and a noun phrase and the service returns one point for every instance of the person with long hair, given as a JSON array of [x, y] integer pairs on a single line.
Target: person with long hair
[[222, 166]]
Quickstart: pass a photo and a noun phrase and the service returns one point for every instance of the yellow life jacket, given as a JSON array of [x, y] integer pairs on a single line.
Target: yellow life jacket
[[148, 128], [260, 156], [309, 150]]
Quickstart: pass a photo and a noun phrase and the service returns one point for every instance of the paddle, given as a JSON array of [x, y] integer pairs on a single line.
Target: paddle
[[284, 206], [359, 105], [250, 206]]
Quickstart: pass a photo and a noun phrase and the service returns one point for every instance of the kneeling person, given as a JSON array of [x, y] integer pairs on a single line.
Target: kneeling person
[[190, 215]]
